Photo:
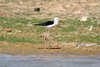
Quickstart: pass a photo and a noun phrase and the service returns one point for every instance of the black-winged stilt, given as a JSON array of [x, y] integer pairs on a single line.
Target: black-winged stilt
[[49, 25]]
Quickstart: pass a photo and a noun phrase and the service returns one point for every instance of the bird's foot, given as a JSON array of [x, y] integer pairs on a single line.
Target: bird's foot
[[46, 36], [49, 36]]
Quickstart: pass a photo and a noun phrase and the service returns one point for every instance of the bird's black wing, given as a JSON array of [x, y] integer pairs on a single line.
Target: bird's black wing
[[45, 23]]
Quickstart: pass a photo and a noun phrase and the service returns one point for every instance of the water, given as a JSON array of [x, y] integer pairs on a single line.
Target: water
[[47, 61]]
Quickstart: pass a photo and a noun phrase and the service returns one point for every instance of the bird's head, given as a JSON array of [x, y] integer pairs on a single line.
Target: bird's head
[[56, 19]]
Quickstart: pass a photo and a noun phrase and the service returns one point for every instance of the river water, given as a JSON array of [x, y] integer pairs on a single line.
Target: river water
[[47, 61]]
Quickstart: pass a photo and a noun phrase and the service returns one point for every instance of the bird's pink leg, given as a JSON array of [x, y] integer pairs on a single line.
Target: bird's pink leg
[[47, 33]]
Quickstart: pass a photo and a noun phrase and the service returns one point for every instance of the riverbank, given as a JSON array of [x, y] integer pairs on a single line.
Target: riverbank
[[19, 36], [28, 49]]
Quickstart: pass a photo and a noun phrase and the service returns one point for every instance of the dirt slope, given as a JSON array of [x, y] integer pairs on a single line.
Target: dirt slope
[[65, 9]]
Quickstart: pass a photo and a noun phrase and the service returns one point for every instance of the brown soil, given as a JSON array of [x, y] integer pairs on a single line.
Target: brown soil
[[65, 9], [27, 49]]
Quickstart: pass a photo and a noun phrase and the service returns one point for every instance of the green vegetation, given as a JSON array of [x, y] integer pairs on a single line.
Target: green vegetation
[[19, 39], [66, 31]]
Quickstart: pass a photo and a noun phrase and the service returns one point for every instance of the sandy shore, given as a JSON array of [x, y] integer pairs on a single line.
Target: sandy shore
[[27, 49]]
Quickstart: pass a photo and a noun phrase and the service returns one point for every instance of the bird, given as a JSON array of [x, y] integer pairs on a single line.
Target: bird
[[49, 24]]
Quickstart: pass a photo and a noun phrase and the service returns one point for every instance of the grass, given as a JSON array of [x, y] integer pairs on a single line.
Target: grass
[[16, 39], [66, 31], [30, 38]]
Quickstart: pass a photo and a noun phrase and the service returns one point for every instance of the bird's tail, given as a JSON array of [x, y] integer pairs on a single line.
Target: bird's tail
[[37, 24]]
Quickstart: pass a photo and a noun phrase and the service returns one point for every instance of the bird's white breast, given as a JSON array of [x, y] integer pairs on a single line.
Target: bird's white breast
[[50, 26]]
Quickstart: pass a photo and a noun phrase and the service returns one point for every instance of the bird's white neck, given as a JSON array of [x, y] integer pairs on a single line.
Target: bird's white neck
[[55, 22]]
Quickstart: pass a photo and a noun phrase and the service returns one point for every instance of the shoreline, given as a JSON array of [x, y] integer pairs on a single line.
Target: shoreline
[[65, 51]]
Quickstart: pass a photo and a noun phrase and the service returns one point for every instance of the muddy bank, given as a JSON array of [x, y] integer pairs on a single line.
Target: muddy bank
[[27, 49]]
